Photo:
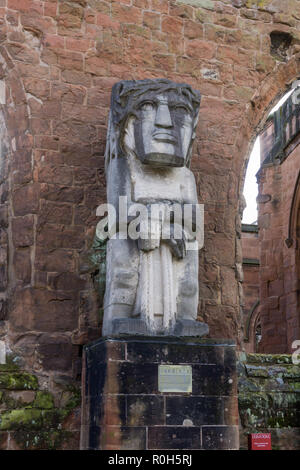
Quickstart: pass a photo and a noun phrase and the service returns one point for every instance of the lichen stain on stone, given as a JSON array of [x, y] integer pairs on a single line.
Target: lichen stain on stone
[[268, 394], [258, 3], [137, 412], [18, 381], [29, 414]]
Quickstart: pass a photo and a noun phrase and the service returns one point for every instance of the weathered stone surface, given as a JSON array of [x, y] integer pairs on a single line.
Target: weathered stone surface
[[66, 70], [268, 388], [22, 265], [18, 381], [43, 310], [72, 48], [26, 200], [218, 437], [34, 418], [145, 410], [144, 353], [54, 260], [171, 437], [23, 231], [197, 410], [278, 201], [121, 393], [56, 353]]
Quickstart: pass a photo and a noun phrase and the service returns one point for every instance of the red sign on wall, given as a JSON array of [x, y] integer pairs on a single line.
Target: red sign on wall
[[259, 441]]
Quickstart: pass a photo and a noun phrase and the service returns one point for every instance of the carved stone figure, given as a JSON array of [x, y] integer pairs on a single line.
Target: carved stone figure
[[152, 282]]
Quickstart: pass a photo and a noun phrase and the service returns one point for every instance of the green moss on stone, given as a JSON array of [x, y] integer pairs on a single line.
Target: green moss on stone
[[292, 372], [12, 363], [9, 402], [21, 419], [32, 418], [295, 387], [43, 400], [18, 381], [74, 400], [248, 385], [268, 392], [257, 371], [42, 440], [268, 358], [33, 423], [276, 384], [282, 420]]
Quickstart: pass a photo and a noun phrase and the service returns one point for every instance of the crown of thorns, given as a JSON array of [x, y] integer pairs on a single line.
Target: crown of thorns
[[125, 95], [124, 98]]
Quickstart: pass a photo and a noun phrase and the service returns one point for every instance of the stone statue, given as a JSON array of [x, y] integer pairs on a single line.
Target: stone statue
[[152, 281]]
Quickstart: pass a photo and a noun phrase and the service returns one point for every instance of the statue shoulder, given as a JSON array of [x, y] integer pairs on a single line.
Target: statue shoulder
[[187, 173]]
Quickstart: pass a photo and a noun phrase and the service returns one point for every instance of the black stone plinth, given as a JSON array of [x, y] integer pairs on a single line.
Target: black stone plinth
[[122, 408]]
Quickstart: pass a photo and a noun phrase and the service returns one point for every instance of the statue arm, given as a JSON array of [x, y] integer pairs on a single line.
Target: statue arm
[[118, 182], [189, 189], [190, 196], [119, 186]]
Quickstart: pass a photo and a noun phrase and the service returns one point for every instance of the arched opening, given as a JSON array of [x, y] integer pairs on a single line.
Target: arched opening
[[257, 335], [4, 151], [277, 276], [298, 267], [293, 248], [252, 331]]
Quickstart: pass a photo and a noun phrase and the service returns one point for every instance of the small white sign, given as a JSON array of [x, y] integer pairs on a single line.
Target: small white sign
[[175, 378], [2, 352]]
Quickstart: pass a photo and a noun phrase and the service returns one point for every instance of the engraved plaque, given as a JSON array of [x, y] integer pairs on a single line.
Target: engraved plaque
[[175, 378]]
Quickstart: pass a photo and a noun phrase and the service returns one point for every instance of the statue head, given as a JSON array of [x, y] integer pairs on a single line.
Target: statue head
[[155, 119]]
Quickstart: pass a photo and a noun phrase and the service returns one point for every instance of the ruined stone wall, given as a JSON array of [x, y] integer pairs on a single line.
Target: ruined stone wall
[[33, 418], [4, 222], [266, 139], [269, 399], [250, 249], [59, 60], [279, 277]]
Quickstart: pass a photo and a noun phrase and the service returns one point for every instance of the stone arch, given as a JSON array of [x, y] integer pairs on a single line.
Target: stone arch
[[271, 90], [107, 56], [253, 322], [293, 243], [292, 229], [15, 171], [275, 85]]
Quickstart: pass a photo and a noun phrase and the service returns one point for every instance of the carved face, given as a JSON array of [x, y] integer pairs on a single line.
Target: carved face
[[163, 128]]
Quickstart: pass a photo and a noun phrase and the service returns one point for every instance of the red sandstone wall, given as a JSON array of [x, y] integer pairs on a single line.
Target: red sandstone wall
[[250, 245], [279, 276], [59, 60], [250, 249], [267, 139]]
